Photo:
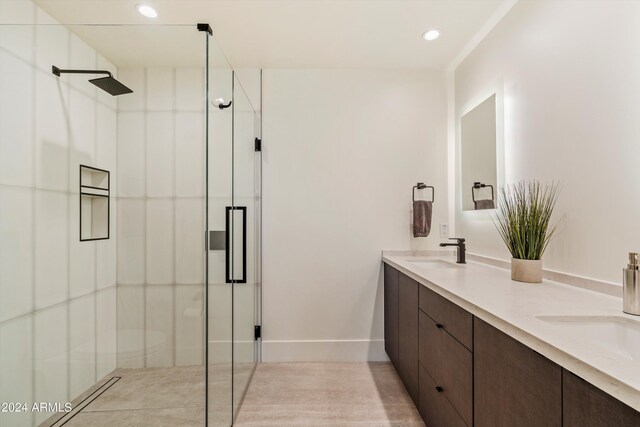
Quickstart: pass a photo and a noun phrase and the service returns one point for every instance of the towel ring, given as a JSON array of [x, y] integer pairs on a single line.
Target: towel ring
[[477, 186], [421, 186]]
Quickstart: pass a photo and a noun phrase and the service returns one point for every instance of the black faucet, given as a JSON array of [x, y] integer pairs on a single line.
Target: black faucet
[[461, 248]]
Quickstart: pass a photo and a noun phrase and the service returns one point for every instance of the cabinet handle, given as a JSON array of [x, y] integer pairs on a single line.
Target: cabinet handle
[[439, 389], [439, 326]]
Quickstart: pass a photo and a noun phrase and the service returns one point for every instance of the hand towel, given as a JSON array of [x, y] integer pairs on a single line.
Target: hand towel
[[422, 210], [484, 204]]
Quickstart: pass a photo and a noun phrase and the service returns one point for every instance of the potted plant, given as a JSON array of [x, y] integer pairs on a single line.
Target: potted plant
[[523, 220]]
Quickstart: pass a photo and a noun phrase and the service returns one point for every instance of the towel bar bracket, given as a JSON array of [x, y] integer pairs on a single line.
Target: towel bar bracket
[[422, 186]]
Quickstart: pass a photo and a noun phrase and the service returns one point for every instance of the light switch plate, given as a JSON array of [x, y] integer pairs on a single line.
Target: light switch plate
[[444, 231]]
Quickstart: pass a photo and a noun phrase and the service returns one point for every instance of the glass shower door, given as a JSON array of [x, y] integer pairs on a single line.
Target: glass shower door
[[233, 232], [245, 225]]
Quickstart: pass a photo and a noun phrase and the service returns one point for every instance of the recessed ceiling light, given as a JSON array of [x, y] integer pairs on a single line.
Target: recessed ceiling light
[[146, 10], [431, 34]]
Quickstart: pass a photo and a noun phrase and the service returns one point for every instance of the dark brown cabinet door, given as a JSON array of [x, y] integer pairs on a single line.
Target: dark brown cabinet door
[[587, 406], [391, 313], [513, 385], [408, 334]]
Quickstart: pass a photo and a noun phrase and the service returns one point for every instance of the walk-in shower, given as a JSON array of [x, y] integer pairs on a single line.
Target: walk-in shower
[[148, 323]]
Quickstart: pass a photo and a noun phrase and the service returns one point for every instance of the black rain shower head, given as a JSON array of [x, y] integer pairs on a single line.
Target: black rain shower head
[[108, 84]]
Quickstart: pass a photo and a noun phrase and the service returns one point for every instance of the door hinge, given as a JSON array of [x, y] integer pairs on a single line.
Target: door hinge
[[257, 332], [258, 144]]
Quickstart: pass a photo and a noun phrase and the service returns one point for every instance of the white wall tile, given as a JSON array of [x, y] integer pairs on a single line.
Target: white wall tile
[[134, 79], [220, 153], [244, 155], [160, 89], [189, 225], [189, 154], [52, 44], [83, 57], [107, 140], [159, 326], [82, 255], [82, 344], [190, 94], [17, 12], [131, 241], [189, 324], [82, 143], [52, 250], [131, 155], [130, 319], [16, 125], [106, 261], [160, 241], [160, 155], [51, 356], [107, 253], [102, 96], [106, 332], [220, 332], [16, 252], [52, 136], [16, 367]]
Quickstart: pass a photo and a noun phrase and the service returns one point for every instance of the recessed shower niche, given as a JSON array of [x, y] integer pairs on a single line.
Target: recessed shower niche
[[94, 203]]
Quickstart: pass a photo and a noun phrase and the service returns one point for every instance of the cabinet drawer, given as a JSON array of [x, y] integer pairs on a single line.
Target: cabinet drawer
[[435, 409], [455, 320], [449, 364]]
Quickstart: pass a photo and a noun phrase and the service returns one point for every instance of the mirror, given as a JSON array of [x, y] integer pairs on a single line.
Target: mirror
[[478, 156]]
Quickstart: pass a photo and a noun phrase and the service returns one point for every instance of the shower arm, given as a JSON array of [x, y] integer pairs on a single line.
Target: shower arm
[[57, 71]]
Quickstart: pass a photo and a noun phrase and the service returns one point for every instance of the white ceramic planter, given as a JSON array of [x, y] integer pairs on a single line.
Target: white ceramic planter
[[526, 270]]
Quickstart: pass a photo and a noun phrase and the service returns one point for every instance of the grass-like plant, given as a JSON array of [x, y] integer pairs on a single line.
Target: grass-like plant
[[523, 218]]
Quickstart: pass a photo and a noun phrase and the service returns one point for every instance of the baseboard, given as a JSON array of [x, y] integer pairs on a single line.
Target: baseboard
[[324, 351]]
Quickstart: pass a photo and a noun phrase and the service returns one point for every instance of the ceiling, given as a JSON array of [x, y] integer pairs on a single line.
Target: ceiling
[[283, 33]]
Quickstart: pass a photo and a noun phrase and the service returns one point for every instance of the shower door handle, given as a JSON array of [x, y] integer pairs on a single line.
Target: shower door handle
[[236, 246]]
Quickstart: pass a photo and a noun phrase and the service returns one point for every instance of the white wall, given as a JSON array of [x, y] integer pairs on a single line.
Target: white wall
[[57, 294], [569, 72], [342, 150]]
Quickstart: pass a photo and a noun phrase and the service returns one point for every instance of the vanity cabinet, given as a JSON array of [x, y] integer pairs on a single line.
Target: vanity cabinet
[[391, 313], [408, 334], [586, 405], [513, 385], [460, 371]]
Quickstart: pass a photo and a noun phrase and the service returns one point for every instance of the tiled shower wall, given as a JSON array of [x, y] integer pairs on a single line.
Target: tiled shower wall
[[57, 294], [161, 218]]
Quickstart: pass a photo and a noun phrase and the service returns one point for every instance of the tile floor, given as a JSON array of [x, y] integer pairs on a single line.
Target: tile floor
[[327, 394], [280, 394]]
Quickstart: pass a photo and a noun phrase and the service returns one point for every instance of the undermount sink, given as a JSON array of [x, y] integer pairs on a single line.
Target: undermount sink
[[433, 263], [617, 334]]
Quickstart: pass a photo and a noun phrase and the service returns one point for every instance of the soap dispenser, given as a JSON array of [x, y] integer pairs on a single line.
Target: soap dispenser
[[631, 287]]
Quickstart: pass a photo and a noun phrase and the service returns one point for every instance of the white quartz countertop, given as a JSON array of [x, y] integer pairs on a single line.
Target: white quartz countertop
[[515, 308]]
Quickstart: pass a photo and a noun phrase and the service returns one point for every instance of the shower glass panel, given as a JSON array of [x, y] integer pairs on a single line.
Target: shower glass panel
[[124, 316], [218, 197]]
